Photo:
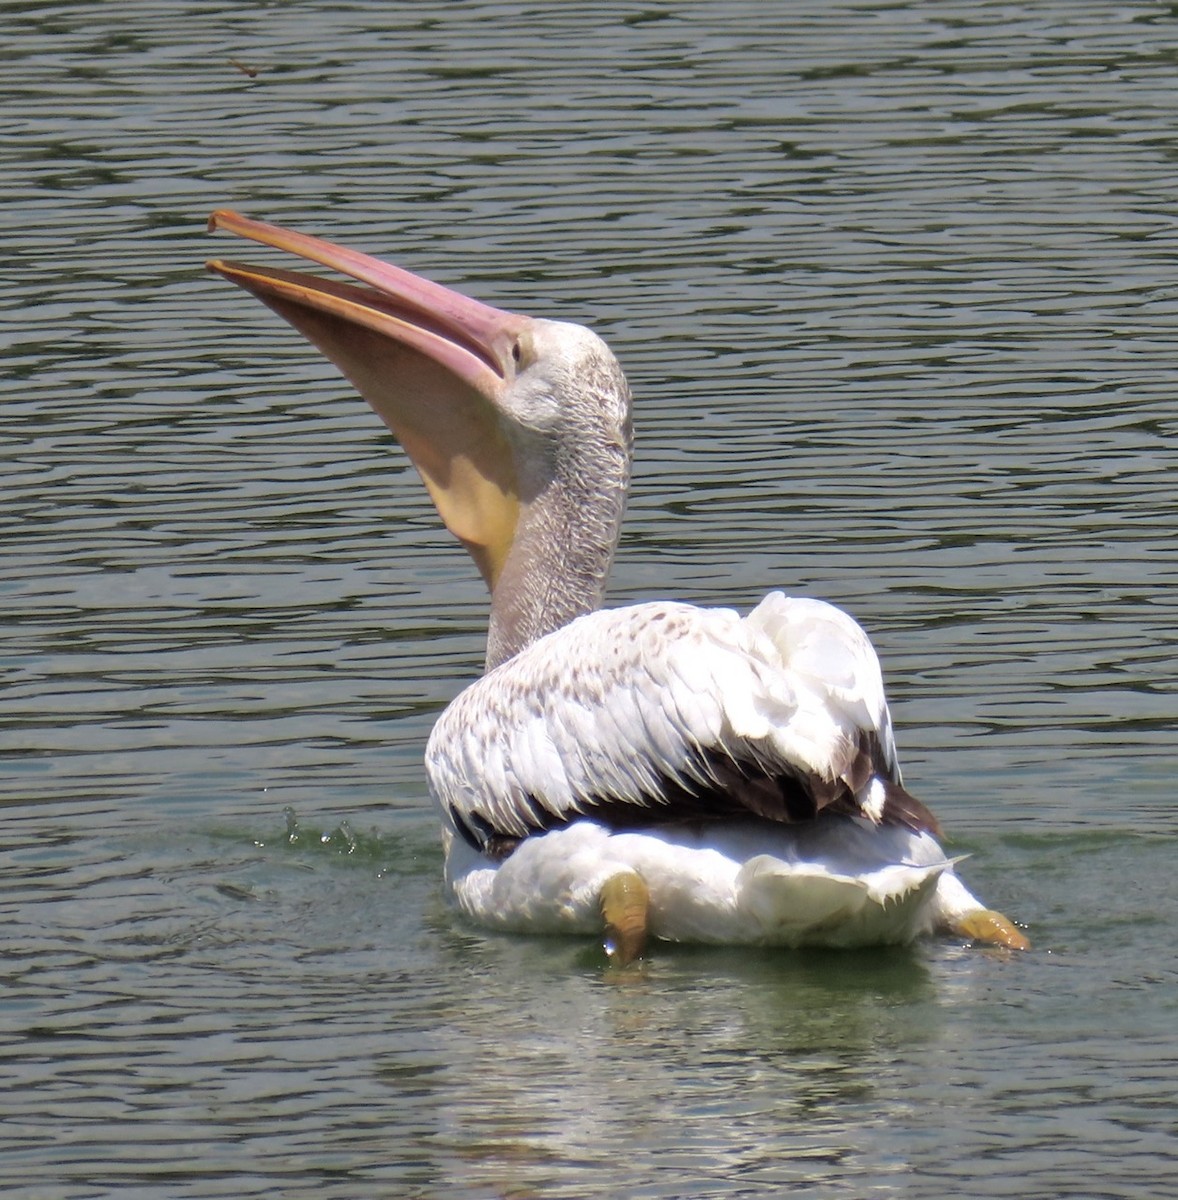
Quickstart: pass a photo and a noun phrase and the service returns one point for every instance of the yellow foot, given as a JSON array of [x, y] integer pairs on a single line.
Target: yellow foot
[[991, 928], [625, 908]]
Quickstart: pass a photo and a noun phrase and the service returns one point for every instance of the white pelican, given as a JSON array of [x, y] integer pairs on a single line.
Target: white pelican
[[658, 770]]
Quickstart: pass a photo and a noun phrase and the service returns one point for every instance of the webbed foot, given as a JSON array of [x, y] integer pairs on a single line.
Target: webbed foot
[[990, 928], [625, 912]]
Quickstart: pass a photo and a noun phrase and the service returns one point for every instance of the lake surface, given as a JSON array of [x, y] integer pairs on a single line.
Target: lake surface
[[896, 288]]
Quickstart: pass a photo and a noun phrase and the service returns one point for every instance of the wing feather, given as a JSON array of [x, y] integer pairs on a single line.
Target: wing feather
[[826, 648], [661, 711]]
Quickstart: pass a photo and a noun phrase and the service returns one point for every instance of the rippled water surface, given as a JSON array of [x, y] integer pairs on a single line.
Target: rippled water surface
[[895, 287]]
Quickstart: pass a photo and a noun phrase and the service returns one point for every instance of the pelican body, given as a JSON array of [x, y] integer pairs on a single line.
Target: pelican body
[[659, 770]]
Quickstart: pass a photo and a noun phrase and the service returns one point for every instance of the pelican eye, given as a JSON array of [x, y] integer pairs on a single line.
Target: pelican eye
[[523, 350]]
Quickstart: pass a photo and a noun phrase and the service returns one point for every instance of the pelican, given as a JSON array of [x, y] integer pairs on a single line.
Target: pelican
[[655, 771]]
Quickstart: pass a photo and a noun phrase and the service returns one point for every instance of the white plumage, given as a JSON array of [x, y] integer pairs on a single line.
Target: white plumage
[[835, 882], [620, 703]]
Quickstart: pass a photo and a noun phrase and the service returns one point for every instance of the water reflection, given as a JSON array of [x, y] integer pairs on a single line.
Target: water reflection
[[704, 1065]]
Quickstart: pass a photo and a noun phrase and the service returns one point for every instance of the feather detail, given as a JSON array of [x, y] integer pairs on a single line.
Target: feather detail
[[663, 712]]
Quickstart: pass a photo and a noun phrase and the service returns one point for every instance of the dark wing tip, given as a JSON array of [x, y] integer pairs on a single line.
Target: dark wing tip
[[901, 807]]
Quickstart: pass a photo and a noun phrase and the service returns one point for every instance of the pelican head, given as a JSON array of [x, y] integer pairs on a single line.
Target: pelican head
[[519, 427]]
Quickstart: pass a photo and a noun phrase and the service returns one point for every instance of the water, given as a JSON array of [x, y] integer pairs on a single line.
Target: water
[[894, 285]]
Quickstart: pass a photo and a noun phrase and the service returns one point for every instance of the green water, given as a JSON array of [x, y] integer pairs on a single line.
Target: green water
[[894, 285]]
